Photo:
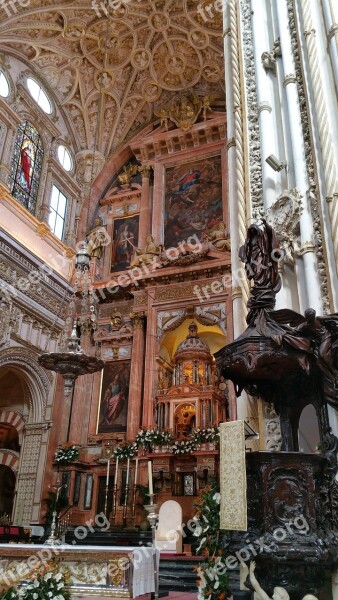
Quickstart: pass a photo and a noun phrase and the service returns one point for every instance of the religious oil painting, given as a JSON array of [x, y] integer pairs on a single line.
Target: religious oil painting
[[26, 166], [193, 200], [113, 409], [125, 239]]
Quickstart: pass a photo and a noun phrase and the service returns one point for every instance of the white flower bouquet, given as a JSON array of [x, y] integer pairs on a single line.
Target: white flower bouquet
[[66, 454]]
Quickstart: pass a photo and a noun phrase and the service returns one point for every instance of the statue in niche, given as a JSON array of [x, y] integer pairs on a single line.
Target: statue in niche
[[219, 238], [96, 239], [146, 256], [279, 593]]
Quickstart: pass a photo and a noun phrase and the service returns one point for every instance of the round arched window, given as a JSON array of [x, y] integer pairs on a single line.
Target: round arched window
[[4, 85], [65, 158], [39, 95]]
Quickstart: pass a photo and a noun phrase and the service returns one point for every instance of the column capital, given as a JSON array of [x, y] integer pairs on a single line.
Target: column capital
[[145, 171], [137, 320], [231, 143], [264, 105], [290, 78]]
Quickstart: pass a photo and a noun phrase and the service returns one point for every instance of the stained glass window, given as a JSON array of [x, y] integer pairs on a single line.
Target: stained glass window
[[26, 166]]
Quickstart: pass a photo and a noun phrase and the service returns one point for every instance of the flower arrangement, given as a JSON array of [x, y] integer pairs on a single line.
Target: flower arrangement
[[183, 447], [125, 450], [212, 572], [45, 586], [68, 453], [153, 437], [212, 434]]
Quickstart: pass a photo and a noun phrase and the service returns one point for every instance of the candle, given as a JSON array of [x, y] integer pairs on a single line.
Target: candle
[[136, 469], [150, 478], [116, 471], [128, 470], [108, 468]]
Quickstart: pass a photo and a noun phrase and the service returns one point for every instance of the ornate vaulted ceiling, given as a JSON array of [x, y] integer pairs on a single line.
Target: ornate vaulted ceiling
[[115, 70]]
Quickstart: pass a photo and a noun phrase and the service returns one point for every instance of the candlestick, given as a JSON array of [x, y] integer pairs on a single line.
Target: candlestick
[[136, 469], [150, 478], [153, 520], [107, 489]]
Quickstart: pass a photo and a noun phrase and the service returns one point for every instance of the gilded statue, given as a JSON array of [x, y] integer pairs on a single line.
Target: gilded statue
[[144, 256], [96, 239], [219, 238], [279, 593]]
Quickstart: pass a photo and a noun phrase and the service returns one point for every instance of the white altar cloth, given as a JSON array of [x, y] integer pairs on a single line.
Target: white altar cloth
[[119, 570]]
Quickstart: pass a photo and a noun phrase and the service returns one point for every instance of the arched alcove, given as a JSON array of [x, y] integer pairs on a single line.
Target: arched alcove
[[7, 490], [28, 384], [308, 430]]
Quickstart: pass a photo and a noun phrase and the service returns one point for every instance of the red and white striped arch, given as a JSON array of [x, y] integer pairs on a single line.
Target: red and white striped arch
[[10, 459], [10, 417]]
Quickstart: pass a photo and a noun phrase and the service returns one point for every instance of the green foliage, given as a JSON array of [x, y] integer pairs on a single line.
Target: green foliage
[[212, 572], [48, 586]]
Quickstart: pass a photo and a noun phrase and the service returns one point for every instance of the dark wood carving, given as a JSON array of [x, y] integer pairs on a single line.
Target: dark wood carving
[[289, 360]]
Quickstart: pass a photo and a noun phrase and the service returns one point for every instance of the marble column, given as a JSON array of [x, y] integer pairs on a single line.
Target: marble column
[[307, 250], [157, 220], [150, 379], [136, 377], [145, 208]]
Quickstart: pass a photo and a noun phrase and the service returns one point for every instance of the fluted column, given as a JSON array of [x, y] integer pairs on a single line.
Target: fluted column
[[265, 98], [136, 377], [145, 208], [307, 250]]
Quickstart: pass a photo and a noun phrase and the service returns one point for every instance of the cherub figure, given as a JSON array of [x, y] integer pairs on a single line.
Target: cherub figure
[[279, 593]]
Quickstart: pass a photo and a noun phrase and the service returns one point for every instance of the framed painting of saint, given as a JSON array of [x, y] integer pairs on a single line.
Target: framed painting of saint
[[193, 200], [125, 240], [113, 408]]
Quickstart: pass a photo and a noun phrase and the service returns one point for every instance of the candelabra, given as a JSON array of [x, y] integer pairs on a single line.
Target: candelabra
[[153, 520], [133, 510], [52, 538], [114, 503], [125, 504]]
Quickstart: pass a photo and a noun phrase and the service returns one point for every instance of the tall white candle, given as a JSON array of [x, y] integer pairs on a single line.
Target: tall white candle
[[108, 469], [128, 471], [150, 478], [136, 469], [116, 471]]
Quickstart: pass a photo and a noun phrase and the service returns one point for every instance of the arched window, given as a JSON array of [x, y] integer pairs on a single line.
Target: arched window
[[26, 166], [39, 95], [4, 85], [65, 158]]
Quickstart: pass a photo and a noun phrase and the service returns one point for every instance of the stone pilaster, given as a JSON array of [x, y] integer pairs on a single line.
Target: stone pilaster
[[136, 376]]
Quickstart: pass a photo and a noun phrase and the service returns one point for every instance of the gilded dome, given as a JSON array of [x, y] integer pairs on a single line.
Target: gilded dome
[[192, 346]]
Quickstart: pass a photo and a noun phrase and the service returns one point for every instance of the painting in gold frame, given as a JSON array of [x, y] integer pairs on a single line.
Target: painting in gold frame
[[113, 408]]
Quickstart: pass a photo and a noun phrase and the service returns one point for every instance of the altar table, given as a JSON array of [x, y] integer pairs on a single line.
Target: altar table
[[114, 572]]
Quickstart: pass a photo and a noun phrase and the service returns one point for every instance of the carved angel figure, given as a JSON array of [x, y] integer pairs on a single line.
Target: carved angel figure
[[219, 238], [317, 336], [279, 593], [146, 256]]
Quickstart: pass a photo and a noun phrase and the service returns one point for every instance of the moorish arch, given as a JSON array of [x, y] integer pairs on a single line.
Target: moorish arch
[[24, 412], [38, 383], [13, 419], [10, 459]]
